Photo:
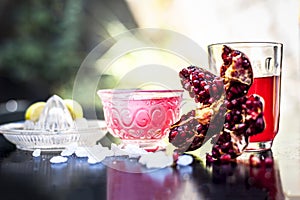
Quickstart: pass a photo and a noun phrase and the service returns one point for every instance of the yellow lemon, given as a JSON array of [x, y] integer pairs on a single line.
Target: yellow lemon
[[34, 111], [74, 108]]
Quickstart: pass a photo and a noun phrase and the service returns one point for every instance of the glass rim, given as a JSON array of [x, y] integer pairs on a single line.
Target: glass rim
[[257, 43]]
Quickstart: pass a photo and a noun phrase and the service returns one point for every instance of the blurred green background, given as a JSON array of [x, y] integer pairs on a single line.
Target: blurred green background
[[43, 43]]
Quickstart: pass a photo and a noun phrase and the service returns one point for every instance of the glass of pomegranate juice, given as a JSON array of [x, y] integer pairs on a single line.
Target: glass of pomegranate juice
[[266, 62]]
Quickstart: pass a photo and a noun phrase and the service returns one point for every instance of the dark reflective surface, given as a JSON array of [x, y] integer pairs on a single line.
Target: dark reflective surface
[[26, 177]]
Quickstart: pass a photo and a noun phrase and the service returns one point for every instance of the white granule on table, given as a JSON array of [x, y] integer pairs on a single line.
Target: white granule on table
[[81, 152], [36, 153], [69, 150], [184, 160], [91, 160], [156, 160], [117, 150], [58, 159], [98, 153], [134, 151]]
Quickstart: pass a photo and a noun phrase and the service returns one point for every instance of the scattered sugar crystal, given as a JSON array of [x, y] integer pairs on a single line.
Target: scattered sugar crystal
[[157, 159], [184, 160], [58, 159], [144, 158], [134, 151], [36, 153], [81, 152], [69, 150], [98, 153], [117, 150], [92, 160]]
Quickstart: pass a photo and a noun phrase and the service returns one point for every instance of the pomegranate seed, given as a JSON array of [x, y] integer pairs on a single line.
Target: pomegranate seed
[[254, 161], [269, 162], [226, 158], [209, 159]]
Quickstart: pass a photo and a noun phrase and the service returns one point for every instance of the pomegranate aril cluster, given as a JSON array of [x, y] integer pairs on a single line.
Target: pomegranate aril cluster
[[187, 133], [202, 85], [207, 89], [244, 115], [236, 72], [224, 109]]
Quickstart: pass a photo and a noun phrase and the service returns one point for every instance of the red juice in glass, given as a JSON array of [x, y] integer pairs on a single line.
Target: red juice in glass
[[267, 87]]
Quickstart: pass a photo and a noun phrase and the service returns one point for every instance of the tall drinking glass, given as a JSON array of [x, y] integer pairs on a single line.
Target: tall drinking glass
[[266, 61]]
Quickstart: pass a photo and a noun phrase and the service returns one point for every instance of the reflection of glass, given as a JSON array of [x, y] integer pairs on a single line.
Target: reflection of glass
[[243, 180], [267, 177], [141, 117], [265, 58], [224, 181], [167, 183], [161, 184]]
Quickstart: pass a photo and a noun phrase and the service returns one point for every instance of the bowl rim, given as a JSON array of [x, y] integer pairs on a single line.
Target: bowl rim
[[122, 91], [17, 128]]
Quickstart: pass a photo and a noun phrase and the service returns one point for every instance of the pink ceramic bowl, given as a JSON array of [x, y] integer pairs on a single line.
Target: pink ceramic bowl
[[141, 117]]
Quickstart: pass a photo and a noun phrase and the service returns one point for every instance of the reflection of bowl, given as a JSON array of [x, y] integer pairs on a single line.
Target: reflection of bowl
[[140, 117]]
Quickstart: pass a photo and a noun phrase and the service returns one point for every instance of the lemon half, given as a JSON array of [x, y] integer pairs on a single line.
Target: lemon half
[[34, 111], [74, 108]]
